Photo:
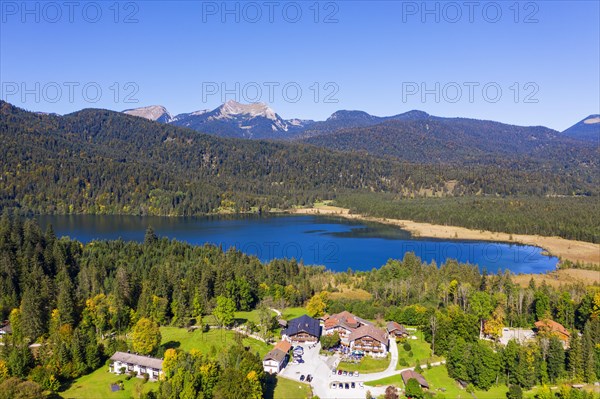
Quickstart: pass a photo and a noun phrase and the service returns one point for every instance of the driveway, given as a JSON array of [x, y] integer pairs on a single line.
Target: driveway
[[317, 366]]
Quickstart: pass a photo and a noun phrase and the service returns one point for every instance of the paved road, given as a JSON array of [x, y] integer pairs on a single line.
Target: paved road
[[316, 365]]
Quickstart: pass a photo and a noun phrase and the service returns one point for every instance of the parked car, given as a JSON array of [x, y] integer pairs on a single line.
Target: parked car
[[309, 378], [302, 377], [344, 372], [334, 385], [347, 386], [352, 385], [356, 374], [339, 372]]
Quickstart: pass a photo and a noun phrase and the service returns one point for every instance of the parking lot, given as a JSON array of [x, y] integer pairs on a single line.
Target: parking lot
[[323, 378]]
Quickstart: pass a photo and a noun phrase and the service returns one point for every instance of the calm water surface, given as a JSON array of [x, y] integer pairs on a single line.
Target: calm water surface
[[334, 242]]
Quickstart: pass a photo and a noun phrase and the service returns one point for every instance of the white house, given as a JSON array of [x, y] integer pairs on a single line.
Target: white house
[[276, 359], [123, 362]]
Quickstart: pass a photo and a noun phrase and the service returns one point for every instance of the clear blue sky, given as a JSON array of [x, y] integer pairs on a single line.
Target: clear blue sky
[[377, 57]]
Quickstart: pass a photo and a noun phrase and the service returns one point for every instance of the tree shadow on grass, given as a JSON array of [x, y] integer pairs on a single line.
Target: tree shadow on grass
[[269, 392], [171, 345]]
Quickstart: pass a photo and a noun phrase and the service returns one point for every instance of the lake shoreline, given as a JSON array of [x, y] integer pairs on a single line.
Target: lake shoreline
[[572, 250]]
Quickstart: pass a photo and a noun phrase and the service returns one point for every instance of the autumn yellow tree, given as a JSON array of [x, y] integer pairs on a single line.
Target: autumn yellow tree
[[493, 326], [146, 336], [317, 304]]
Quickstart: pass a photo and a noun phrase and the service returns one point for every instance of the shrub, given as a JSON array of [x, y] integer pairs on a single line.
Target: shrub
[[410, 354], [402, 362], [514, 392], [146, 377], [122, 370], [406, 346]]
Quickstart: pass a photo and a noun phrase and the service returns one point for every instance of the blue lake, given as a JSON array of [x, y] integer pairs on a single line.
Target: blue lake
[[337, 243]]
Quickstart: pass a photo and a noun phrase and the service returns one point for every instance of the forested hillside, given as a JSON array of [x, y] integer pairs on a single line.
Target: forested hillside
[[544, 216], [78, 302], [98, 161], [467, 141]]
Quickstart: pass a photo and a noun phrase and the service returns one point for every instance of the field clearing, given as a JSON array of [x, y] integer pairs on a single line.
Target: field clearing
[[292, 313], [210, 343], [357, 294], [287, 389], [97, 385], [560, 277], [421, 350], [437, 377]]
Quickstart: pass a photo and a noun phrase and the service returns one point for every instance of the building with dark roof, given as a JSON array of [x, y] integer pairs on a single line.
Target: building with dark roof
[[302, 329], [411, 374], [396, 330]]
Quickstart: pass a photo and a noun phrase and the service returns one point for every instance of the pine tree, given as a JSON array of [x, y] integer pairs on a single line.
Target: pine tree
[[525, 372], [575, 358], [555, 359], [510, 360], [588, 355]]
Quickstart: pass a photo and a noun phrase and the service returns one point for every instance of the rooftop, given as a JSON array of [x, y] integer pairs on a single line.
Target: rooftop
[[345, 319], [370, 331], [411, 374], [552, 326], [275, 354], [303, 324], [393, 326], [144, 361], [283, 346]]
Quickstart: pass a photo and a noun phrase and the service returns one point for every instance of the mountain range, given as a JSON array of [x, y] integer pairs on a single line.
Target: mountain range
[[232, 119], [259, 121], [101, 161]]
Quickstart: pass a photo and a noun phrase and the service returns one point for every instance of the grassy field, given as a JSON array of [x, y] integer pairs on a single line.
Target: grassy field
[[421, 350], [97, 385], [282, 388], [437, 377], [291, 313], [210, 342], [367, 365], [443, 386], [395, 380]]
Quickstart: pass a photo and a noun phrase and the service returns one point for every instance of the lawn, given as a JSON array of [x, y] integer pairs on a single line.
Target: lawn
[[292, 313], [437, 377], [97, 385], [211, 342], [283, 388], [368, 364], [391, 380], [243, 317], [421, 350]]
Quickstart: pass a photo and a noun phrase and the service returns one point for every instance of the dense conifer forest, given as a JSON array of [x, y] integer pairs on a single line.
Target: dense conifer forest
[[78, 302], [104, 162]]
